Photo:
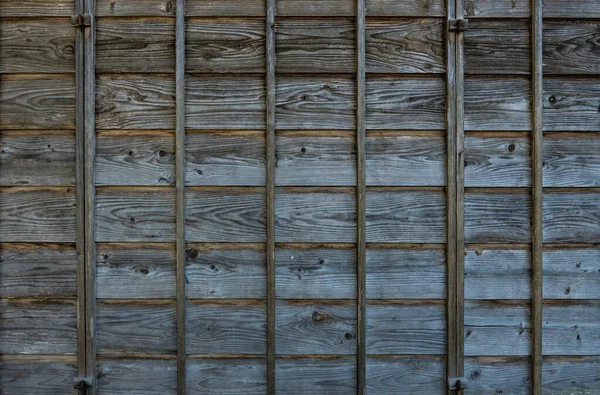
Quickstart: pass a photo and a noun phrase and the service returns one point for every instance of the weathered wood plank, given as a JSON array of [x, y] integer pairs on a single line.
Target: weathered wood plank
[[41, 159], [315, 8], [571, 104], [221, 159], [226, 329], [572, 329], [405, 46], [146, 271], [37, 270], [572, 162], [497, 161], [36, 377], [315, 328], [153, 377], [493, 103], [497, 217], [315, 46], [498, 376], [123, 329], [406, 216], [316, 102], [572, 273], [316, 376], [497, 9], [38, 326], [228, 273], [496, 328], [135, 102], [314, 216], [315, 161], [408, 8], [140, 45], [225, 46], [571, 9], [227, 376], [29, 8], [225, 102], [571, 47], [315, 273], [571, 217], [417, 328], [135, 8], [222, 216], [405, 375], [406, 274], [571, 376], [37, 102], [135, 215], [498, 47], [37, 215], [227, 8], [135, 160], [412, 103], [406, 161]]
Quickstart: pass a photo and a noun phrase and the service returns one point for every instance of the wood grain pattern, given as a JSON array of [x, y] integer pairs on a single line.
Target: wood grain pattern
[[227, 376], [571, 47], [227, 8], [405, 46], [498, 375], [497, 8], [135, 8], [316, 376], [572, 273], [572, 329], [141, 45], [406, 217], [315, 8], [571, 104], [405, 375], [416, 328], [571, 162], [410, 8], [497, 217], [225, 46], [571, 9], [28, 8], [33, 377], [574, 375], [131, 376], [226, 329], [41, 159], [571, 217], [406, 274], [37, 270], [315, 46], [315, 328], [323, 273], [495, 328], [38, 326], [135, 102]]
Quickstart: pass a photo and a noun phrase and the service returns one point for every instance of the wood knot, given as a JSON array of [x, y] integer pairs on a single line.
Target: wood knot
[[192, 253], [319, 317]]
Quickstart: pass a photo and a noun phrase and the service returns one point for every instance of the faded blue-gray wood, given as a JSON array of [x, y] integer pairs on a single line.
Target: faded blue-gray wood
[[571, 9], [137, 376], [572, 273], [571, 217], [497, 8], [227, 376], [571, 104], [497, 375], [571, 161], [572, 328], [578, 374], [571, 47], [135, 8], [405, 375], [37, 377], [316, 376]]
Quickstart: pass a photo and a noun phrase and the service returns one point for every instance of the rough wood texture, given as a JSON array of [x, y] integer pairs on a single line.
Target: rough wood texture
[[28, 8], [572, 273], [578, 375], [316, 376], [135, 8], [498, 376], [42, 159], [405, 46], [315, 328], [411, 8], [572, 329], [571, 9], [35, 377], [227, 376], [227, 8], [571, 47], [405, 375], [571, 162], [137, 377], [571, 217], [571, 104], [497, 8]]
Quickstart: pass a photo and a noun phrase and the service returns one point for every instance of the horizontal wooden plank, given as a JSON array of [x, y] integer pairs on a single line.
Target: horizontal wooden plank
[[497, 161], [123, 329], [493, 328], [571, 47], [408, 8], [41, 159], [229, 273], [32, 377], [571, 329], [572, 273], [228, 8], [37, 102], [406, 216], [315, 8], [405, 375], [405, 161], [135, 271], [221, 159], [226, 329], [37, 215], [135, 45], [324, 273], [405, 46], [37, 270], [485, 53], [135, 8], [225, 102], [227, 376], [315, 328], [406, 329], [29, 8], [578, 375], [135, 216], [494, 103], [135, 102], [406, 274], [28, 48], [131, 376], [497, 217], [314, 216], [498, 376], [316, 102], [221, 216], [571, 9], [571, 217], [225, 46], [38, 326], [497, 9], [315, 46], [316, 376], [571, 162], [393, 103], [571, 104], [310, 160]]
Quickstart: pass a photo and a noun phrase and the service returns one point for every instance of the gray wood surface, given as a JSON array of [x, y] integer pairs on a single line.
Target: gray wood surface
[[137, 377], [229, 8], [571, 47], [135, 8], [413, 8], [571, 161], [316, 376], [571, 9], [572, 273], [497, 8], [28, 8], [571, 104], [579, 375], [316, 8], [571, 217], [506, 375], [571, 328], [405, 375], [227, 376], [37, 377]]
